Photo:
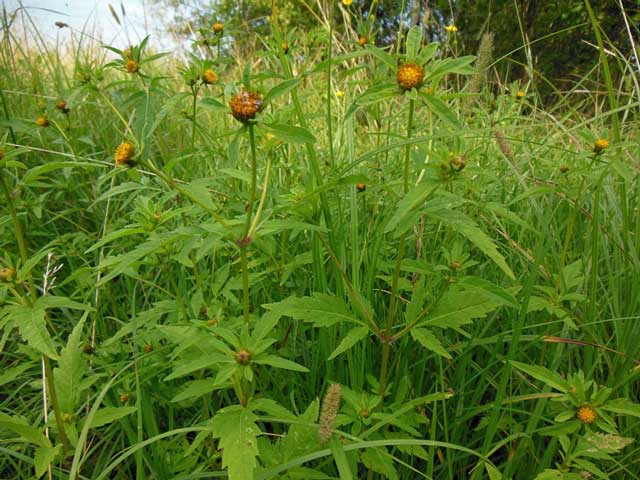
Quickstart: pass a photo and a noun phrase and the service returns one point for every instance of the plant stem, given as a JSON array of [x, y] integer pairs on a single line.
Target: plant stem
[[386, 340], [245, 240], [193, 126]]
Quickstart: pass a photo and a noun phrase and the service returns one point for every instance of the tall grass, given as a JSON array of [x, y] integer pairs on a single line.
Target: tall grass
[[459, 257]]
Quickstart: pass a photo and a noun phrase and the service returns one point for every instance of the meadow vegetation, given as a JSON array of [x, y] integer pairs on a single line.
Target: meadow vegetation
[[323, 259]]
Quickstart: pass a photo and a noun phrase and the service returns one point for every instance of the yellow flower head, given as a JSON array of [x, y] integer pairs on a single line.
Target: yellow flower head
[[285, 47], [340, 94], [124, 153], [520, 95], [42, 121], [218, 27], [346, 3], [600, 145], [209, 77], [451, 28], [362, 40], [586, 415], [410, 75], [245, 105], [7, 274], [132, 66]]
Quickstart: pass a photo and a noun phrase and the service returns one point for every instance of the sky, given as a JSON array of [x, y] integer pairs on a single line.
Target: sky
[[101, 23]]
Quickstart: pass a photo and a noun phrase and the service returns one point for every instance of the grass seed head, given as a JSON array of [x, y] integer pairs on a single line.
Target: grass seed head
[[245, 105], [330, 407], [410, 75]]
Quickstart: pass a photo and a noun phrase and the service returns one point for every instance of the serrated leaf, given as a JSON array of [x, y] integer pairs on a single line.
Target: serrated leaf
[[414, 39], [552, 379], [107, 415], [467, 227], [236, 428], [350, 339], [43, 457], [32, 325], [459, 307], [302, 437], [378, 460], [321, 309], [289, 133], [429, 341], [70, 370], [21, 427]]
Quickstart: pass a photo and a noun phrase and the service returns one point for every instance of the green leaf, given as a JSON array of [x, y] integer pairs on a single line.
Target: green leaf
[[340, 457], [185, 368], [302, 437], [459, 307], [493, 472], [467, 227], [442, 111], [196, 388], [351, 338], [38, 172], [429, 341], [43, 457], [272, 408], [32, 325], [279, 362], [321, 309], [379, 460], [403, 219], [106, 415], [21, 427], [381, 55], [622, 406], [236, 428], [289, 133], [70, 370], [281, 89], [374, 94], [552, 379], [440, 68], [414, 39]]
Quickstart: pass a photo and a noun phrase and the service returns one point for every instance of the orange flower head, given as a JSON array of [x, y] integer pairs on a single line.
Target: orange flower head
[[600, 145], [587, 415], [132, 66], [362, 40], [361, 187], [410, 75], [218, 28], [124, 154], [42, 121], [245, 105], [62, 106], [209, 77]]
